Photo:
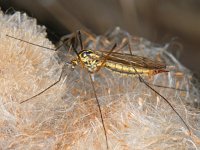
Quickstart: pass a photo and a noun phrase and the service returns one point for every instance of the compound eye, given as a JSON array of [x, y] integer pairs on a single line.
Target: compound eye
[[85, 54]]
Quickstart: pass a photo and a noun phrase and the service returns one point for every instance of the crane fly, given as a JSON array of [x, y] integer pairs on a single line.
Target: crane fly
[[119, 62], [124, 64]]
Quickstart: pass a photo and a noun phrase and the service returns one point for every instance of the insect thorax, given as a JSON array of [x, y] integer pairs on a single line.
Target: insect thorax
[[88, 59]]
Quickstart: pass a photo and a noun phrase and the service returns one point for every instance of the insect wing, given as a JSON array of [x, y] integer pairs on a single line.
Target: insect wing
[[137, 61]]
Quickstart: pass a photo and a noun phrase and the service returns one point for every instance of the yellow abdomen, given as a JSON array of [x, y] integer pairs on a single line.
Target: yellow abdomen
[[131, 70]]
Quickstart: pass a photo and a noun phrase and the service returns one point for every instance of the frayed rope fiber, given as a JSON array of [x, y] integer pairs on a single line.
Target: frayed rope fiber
[[66, 116]]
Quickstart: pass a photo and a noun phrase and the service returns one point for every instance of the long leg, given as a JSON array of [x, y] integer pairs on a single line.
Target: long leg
[[30, 42], [52, 49], [90, 35], [99, 107], [105, 58], [70, 38], [93, 88], [148, 85], [110, 52], [166, 87], [44, 89]]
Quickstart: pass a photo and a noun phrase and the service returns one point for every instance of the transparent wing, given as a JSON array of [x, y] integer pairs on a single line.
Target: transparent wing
[[137, 61]]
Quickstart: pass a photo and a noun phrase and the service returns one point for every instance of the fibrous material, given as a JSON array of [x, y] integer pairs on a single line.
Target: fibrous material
[[66, 116]]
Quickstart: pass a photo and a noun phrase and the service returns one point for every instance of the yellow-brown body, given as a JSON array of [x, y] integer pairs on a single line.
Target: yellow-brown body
[[124, 64]]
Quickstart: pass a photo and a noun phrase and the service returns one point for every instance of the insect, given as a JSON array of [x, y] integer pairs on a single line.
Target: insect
[[125, 64]]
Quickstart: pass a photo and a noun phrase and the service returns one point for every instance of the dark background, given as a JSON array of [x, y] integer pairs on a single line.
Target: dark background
[[157, 20]]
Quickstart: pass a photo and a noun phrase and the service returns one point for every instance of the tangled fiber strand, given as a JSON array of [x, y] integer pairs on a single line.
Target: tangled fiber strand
[[66, 116]]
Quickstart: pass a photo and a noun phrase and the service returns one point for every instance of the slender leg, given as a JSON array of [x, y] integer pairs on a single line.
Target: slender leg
[[148, 85], [105, 58], [114, 48], [38, 44], [31, 43], [44, 89], [93, 88], [103, 123], [90, 35], [54, 82]]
